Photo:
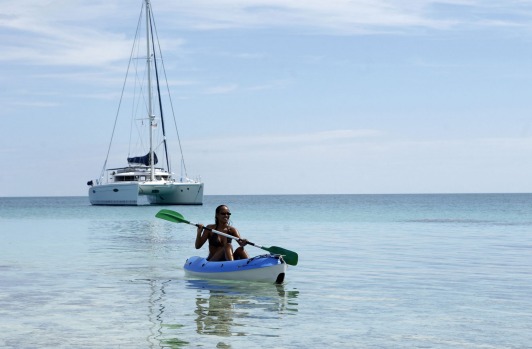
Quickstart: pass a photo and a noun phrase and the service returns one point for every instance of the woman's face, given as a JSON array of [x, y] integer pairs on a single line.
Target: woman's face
[[224, 214]]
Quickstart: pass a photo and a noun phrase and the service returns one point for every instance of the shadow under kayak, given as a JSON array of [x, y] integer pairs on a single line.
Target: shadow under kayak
[[265, 268]]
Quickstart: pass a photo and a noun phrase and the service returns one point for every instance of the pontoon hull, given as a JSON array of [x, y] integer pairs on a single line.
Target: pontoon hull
[[114, 194], [130, 193], [174, 193]]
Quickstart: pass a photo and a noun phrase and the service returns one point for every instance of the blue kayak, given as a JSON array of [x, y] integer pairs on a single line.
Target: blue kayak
[[265, 268]]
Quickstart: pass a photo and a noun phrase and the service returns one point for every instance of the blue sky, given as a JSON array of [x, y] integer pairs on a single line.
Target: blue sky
[[279, 97]]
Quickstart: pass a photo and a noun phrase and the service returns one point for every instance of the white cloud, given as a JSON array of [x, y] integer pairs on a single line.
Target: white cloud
[[94, 32], [336, 15], [280, 140], [348, 16], [221, 89]]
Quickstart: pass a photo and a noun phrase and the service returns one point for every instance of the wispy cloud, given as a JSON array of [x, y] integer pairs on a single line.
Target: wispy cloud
[[49, 34], [360, 142], [285, 140], [325, 136], [350, 16], [341, 16], [81, 32], [221, 89]]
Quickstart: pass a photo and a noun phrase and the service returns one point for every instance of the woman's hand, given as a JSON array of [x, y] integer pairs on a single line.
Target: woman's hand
[[200, 238], [242, 242], [200, 228]]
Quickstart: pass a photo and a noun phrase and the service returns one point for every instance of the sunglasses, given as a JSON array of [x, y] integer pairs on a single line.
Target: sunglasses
[[225, 213]]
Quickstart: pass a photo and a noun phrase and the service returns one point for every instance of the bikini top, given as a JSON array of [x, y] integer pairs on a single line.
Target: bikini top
[[214, 240]]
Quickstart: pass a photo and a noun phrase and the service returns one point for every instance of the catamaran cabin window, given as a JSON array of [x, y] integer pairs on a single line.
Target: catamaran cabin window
[[125, 178]]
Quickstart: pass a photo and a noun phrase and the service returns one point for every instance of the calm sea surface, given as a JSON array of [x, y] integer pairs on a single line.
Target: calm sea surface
[[375, 271]]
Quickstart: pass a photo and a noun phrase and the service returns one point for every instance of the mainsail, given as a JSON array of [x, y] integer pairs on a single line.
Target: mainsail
[[143, 160]]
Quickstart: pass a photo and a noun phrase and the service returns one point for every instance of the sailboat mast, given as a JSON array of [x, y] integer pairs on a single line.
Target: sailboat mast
[[150, 105]]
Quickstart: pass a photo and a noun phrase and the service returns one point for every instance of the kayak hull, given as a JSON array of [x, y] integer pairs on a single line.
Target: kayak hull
[[266, 268]]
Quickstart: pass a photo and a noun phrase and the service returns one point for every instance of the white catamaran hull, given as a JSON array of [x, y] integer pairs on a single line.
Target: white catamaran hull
[[131, 193], [173, 193], [114, 194]]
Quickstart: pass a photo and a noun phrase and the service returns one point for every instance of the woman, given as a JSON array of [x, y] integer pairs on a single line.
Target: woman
[[220, 248]]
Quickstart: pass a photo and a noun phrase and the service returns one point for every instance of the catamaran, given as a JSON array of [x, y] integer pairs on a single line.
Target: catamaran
[[141, 179]]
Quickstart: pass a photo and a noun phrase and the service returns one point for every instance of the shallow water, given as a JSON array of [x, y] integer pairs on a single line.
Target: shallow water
[[375, 271]]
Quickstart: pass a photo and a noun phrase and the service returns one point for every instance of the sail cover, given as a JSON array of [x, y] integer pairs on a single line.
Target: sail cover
[[143, 160]]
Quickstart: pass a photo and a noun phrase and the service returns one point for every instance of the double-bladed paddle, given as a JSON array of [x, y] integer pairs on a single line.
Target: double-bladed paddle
[[290, 257]]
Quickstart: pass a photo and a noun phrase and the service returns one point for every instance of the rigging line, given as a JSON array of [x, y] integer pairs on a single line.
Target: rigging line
[[138, 102], [170, 100], [121, 97], [152, 21], [140, 107], [134, 101]]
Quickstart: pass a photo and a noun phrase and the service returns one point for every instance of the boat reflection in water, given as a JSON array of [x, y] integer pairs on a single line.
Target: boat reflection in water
[[223, 307]]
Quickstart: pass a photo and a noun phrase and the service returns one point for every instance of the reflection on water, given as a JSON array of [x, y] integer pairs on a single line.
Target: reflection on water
[[219, 309], [162, 335], [223, 308]]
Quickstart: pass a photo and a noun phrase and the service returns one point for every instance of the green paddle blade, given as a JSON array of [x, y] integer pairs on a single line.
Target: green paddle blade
[[171, 216], [290, 257]]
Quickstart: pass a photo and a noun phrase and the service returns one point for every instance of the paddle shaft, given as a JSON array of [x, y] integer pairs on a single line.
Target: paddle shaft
[[223, 234]]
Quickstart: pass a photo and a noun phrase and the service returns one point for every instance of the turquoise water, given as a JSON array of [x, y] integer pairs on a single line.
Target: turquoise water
[[375, 271]]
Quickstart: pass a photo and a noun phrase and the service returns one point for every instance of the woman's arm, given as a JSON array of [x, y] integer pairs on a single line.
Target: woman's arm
[[201, 237], [236, 234]]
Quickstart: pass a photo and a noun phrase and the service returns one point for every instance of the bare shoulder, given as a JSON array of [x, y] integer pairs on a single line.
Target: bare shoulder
[[233, 231]]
